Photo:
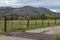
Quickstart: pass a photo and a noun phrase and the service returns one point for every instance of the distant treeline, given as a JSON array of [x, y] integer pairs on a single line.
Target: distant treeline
[[49, 16], [34, 17]]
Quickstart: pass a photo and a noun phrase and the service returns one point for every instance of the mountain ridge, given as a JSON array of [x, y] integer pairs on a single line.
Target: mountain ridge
[[26, 11]]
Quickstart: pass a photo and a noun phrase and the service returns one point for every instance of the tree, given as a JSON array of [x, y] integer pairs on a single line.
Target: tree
[[50, 16]]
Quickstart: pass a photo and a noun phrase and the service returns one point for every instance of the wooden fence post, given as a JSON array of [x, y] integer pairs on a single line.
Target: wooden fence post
[[48, 23], [35, 21], [42, 22], [5, 24], [55, 20], [27, 22], [12, 23]]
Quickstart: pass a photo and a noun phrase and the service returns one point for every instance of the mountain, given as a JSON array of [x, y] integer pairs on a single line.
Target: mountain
[[25, 11], [28, 10], [6, 10]]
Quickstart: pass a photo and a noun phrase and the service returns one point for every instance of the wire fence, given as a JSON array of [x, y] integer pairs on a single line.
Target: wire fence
[[23, 25]]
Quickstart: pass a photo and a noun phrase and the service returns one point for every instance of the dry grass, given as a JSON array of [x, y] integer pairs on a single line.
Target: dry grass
[[22, 24]]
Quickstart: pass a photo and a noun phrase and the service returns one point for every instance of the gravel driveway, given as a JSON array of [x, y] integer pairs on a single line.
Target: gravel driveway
[[31, 34], [52, 30], [2, 37]]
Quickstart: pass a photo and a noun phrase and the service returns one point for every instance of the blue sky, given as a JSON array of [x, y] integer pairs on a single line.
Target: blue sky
[[50, 4]]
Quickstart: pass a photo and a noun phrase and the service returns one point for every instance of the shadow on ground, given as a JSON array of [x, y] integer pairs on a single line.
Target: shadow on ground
[[35, 36]]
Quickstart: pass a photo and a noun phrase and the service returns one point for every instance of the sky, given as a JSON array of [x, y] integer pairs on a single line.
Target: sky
[[53, 5]]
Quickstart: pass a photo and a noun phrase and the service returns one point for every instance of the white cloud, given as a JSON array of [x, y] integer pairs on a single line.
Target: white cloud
[[6, 2], [53, 10], [51, 4]]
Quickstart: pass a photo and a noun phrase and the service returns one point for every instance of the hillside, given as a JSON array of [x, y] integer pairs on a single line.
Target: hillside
[[28, 10], [25, 11]]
